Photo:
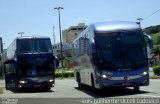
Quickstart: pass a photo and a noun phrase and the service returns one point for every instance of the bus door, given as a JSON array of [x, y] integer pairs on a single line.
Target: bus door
[[10, 75]]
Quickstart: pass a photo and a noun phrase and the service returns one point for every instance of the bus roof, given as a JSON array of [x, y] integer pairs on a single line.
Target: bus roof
[[32, 37], [114, 26]]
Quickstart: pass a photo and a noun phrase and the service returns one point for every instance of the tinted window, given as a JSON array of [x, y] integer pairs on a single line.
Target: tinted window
[[120, 49], [25, 45], [34, 45]]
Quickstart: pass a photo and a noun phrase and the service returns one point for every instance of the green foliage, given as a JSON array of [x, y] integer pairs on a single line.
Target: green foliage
[[156, 51], [67, 59], [58, 75], [1, 77], [66, 74], [67, 62], [156, 38], [1, 90], [152, 29], [156, 70], [154, 77]]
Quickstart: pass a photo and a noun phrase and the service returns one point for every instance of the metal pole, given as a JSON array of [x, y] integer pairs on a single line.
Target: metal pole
[[58, 8]]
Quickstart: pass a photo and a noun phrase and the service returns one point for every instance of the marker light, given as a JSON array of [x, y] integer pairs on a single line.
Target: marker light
[[53, 84]]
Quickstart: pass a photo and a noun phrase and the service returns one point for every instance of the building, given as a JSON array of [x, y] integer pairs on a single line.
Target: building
[[72, 32], [68, 35], [66, 49]]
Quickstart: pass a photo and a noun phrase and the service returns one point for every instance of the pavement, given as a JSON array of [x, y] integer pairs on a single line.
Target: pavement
[[151, 73], [66, 92]]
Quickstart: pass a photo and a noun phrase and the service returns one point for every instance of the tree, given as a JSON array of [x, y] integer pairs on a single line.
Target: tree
[[67, 61], [152, 29], [156, 52], [156, 38]]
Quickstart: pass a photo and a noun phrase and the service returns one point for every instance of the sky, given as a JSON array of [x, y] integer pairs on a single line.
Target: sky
[[37, 17]]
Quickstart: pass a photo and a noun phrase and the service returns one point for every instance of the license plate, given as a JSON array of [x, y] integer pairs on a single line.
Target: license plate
[[36, 85], [125, 84]]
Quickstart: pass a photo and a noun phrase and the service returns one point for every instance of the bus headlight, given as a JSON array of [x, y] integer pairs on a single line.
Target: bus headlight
[[144, 73], [51, 80], [22, 82], [106, 76]]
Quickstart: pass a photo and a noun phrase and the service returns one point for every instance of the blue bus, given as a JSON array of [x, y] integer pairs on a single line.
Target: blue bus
[[29, 63], [112, 54]]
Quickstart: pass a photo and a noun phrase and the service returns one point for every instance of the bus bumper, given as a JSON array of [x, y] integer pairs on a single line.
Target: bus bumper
[[38, 85], [142, 81]]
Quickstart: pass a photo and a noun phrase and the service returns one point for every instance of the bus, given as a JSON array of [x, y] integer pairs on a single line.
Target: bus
[[112, 54], [29, 63]]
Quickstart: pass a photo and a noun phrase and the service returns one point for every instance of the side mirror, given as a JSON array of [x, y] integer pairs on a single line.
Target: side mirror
[[150, 41]]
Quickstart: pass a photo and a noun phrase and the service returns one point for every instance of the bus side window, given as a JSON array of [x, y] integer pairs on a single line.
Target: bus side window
[[10, 69]]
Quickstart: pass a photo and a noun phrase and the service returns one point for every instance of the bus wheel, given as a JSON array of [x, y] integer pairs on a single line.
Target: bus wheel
[[47, 89], [94, 89], [79, 80], [136, 88], [92, 80]]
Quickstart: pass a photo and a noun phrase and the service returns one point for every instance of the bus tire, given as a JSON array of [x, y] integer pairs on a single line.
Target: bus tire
[[136, 88], [94, 89], [79, 81], [46, 89], [92, 82]]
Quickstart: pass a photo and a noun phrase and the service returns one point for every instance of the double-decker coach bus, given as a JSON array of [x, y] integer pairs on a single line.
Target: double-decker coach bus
[[29, 63], [112, 54]]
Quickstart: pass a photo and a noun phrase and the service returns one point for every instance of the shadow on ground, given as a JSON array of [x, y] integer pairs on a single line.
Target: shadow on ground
[[31, 90], [110, 92]]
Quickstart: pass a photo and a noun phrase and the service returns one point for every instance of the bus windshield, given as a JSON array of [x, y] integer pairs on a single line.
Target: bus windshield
[[31, 67], [117, 50], [34, 45]]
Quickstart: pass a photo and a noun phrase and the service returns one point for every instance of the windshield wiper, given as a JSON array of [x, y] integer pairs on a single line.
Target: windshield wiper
[[120, 55], [25, 52], [130, 57]]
